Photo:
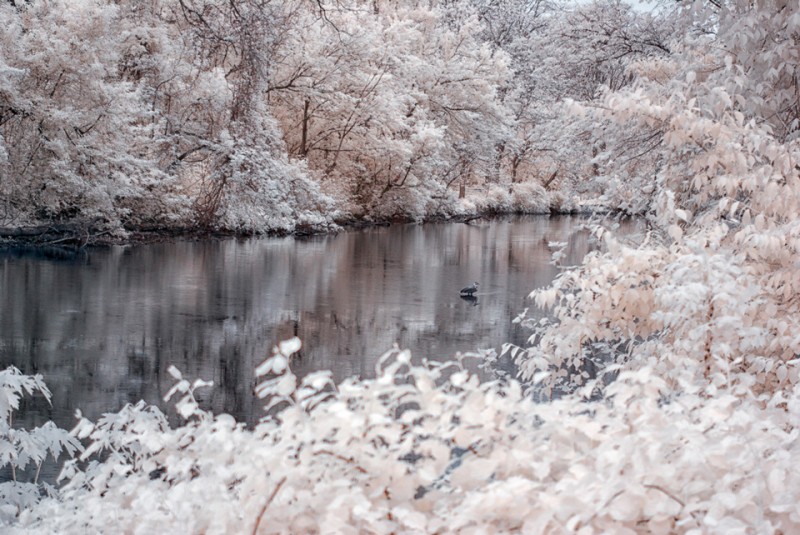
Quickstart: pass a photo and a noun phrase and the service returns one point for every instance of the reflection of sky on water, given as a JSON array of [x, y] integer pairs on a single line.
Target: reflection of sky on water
[[104, 327]]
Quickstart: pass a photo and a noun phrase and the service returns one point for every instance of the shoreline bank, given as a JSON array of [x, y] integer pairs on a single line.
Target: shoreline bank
[[75, 236]]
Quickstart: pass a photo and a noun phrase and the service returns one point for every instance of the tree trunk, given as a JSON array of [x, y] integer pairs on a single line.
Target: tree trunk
[[304, 138], [514, 168], [550, 180]]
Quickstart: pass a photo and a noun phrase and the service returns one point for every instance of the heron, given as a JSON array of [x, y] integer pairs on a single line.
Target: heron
[[470, 290]]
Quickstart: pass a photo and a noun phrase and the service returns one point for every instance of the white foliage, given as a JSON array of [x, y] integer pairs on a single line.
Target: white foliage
[[706, 301], [142, 114], [20, 448], [430, 448], [701, 313], [161, 114], [398, 104]]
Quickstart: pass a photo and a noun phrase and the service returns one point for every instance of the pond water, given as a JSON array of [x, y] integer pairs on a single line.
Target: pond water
[[104, 326]]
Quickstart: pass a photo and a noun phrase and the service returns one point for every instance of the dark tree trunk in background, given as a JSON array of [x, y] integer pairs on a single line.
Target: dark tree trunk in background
[[304, 138]]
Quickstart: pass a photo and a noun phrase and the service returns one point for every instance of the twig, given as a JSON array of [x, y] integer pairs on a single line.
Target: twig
[[667, 493], [342, 458], [269, 501]]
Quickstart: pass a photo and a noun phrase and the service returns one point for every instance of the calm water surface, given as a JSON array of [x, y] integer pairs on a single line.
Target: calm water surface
[[104, 327]]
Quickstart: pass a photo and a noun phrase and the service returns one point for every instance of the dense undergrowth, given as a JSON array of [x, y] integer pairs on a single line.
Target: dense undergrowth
[[430, 449]]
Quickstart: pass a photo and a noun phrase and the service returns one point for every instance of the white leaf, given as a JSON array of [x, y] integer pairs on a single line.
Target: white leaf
[[174, 372], [675, 232], [682, 214], [289, 347], [286, 385]]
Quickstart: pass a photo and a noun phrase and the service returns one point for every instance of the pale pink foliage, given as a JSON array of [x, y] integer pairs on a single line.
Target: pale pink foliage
[[424, 449], [708, 299]]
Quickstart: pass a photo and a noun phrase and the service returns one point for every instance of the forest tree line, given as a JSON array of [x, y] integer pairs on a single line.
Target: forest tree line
[[263, 115]]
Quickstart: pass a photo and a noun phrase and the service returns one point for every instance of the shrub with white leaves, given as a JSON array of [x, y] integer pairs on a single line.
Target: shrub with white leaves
[[708, 298], [430, 449], [23, 450]]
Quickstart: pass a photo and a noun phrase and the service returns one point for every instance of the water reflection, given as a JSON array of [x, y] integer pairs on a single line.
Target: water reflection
[[104, 327], [471, 299]]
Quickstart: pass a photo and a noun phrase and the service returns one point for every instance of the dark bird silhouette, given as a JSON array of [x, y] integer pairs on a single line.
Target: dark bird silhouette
[[469, 290]]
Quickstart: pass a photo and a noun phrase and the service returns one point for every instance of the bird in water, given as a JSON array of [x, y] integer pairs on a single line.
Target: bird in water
[[469, 290]]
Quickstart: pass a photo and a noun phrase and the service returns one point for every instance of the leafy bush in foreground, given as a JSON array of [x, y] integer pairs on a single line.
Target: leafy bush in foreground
[[21, 449], [429, 449]]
